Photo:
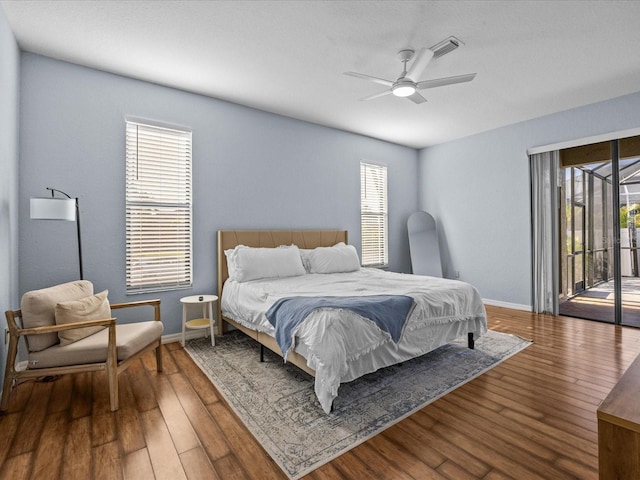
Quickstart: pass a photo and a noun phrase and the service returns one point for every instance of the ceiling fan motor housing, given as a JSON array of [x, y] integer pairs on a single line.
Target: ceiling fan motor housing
[[406, 54]]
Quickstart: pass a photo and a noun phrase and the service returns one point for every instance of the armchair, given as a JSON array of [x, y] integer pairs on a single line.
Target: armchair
[[111, 348]]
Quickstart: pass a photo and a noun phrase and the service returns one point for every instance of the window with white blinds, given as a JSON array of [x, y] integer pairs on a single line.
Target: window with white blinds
[[158, 208], [373, 214]]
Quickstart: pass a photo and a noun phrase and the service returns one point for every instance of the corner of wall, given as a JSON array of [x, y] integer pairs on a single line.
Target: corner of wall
[[9, 130]]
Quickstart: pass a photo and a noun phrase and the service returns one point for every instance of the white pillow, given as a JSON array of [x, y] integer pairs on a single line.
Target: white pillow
[[249, 263], [340, 258]]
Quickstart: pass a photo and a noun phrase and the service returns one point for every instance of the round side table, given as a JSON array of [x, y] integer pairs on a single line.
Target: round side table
[[207, 320]]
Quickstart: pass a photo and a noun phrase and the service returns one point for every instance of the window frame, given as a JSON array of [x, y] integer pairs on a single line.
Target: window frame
[[374, 214], [158, 207]]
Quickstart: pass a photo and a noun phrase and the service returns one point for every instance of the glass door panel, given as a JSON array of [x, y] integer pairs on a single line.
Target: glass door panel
[[629, 178], [586, 226]]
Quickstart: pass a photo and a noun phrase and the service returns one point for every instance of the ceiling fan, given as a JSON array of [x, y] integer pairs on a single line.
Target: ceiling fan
[[407, 85]]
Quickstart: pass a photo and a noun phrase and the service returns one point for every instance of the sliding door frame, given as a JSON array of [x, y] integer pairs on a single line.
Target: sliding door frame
[[615, 200]]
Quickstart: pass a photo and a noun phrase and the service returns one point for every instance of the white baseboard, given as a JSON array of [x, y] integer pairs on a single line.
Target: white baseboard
[[189, 334], [514, 306]]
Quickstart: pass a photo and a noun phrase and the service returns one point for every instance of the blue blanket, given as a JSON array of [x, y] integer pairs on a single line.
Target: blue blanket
[[389, 312]]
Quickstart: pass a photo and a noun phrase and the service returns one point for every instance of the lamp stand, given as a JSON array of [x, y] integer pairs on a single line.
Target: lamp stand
[[53, 190], [79, 241]]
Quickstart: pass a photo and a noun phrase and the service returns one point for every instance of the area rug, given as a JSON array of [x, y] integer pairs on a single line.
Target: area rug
[[278, 405]]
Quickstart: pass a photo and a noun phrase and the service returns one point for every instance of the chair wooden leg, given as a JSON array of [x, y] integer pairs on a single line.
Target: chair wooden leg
[[112, 369], [159, 356], [113, 388], [9, 373]]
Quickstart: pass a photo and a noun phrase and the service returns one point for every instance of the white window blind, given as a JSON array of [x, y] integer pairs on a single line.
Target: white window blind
[[158, 208], [373, 214]]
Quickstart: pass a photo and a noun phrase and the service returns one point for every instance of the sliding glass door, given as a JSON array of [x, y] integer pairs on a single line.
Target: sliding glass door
[[599, 205]]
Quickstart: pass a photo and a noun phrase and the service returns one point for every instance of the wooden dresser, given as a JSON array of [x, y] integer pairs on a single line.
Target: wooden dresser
[[619, 428]]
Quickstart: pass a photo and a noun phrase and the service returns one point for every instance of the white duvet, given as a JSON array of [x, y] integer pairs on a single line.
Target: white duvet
[[341, 345]]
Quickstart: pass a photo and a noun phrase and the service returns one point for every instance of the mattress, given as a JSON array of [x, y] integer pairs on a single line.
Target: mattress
[[341, 345]]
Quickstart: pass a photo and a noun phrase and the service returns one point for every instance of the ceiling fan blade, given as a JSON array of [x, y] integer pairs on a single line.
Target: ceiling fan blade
[[419, 64], [417, 98], [381, 81], [441, 82], [376, 95]]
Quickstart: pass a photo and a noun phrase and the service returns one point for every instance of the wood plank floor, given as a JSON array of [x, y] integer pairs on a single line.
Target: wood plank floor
[[532, 417]]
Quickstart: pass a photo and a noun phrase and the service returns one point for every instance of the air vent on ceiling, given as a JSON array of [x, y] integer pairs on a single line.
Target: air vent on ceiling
[[446, 46]]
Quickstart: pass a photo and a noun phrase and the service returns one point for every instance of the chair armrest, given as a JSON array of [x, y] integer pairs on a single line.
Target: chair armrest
[[104, 322], [141, 303]]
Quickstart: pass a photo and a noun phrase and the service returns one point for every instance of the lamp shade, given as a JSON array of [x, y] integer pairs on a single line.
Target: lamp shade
[[53, 209]]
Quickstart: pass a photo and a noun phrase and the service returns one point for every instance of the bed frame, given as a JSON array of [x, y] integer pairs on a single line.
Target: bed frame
[[269, 238]]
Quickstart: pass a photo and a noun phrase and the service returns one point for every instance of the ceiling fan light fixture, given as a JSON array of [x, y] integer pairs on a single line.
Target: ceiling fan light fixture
[[403, 90]]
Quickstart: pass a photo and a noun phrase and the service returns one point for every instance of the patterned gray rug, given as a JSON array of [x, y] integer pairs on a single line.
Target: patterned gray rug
[[278, 405]]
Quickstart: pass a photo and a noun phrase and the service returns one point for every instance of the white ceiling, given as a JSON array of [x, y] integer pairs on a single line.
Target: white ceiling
[[532, 58]]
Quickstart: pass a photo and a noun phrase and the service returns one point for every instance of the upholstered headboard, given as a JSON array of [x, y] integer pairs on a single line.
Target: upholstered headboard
[[271, 238]]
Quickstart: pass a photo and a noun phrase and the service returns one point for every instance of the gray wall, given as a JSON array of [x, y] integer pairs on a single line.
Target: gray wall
[[9, 101], [251, 170], [477, 188]]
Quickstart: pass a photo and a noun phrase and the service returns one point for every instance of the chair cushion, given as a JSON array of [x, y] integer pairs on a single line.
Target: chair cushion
[[39, 307], [130, 339], [94, 307]]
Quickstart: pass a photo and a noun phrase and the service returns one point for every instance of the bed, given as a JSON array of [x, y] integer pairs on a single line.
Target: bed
[[336, 345]]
